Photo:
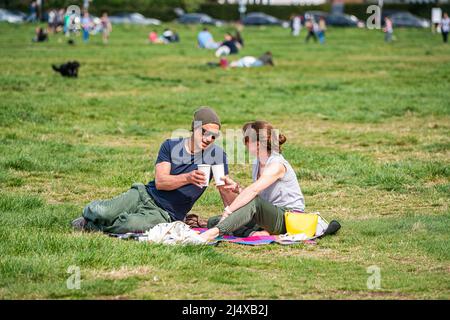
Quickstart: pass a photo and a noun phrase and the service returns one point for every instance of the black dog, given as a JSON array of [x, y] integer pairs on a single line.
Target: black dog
[[69, 69]]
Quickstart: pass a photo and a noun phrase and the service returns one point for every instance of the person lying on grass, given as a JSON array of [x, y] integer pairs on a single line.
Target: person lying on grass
[[275, 189], [246, 62], [178, 184]]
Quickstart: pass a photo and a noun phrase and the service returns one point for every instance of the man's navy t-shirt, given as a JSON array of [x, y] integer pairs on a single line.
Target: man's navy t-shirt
[[180, 201]]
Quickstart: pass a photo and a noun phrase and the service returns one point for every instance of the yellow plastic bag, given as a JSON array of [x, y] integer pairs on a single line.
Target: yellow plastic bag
[[301, 223]]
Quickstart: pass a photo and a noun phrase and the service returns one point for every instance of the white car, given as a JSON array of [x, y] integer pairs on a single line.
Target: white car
[[11, 17], [133, 18]]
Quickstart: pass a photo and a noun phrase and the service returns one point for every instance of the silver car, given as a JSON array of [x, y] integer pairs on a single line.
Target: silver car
[[11, 17], [133, 18]]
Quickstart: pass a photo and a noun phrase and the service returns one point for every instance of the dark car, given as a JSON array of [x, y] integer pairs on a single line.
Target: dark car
[[262, 19], [343, 20], [407, 19], [199, 18]]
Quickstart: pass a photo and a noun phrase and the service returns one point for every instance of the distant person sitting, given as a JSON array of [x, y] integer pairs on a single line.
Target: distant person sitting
[[175, 37], [228, 46], [153, 37], [170, 36], [40, 35], [205, 40]]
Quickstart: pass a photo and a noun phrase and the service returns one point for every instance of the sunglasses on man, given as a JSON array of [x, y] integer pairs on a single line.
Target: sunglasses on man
[[213, 135]]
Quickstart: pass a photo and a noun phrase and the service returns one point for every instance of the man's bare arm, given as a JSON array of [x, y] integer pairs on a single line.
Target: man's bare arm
[[167, 182]]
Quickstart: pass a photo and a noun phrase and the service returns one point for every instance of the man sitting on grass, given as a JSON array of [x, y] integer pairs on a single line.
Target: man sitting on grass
[[173, 192]]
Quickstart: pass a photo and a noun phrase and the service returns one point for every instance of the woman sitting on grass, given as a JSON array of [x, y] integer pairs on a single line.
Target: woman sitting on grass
[[274, 190]]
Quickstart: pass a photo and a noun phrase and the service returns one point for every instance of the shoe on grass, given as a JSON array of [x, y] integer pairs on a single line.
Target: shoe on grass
[[79, 224]]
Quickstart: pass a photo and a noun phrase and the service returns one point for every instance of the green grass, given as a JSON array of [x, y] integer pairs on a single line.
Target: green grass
[[368, 127]]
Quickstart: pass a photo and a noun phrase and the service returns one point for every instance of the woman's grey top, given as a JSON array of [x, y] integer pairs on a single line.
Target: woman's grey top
[[285, 192]]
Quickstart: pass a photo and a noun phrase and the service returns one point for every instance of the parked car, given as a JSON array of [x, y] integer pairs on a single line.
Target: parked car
[[343, 20], [12, 16], [407, 19], [133, 18], [260, 19], [199, 18]]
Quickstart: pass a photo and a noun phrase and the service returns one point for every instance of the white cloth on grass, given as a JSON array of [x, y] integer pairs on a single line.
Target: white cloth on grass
[[222, 51], [172, 233]]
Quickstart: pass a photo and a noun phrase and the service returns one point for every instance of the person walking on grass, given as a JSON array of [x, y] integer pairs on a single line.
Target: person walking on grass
[[445, 27], [86, 24], [32, 17], [259, 209], [322, 29], [296, 25], [311, 27], [106, 27], [177, 185], [388, 30]]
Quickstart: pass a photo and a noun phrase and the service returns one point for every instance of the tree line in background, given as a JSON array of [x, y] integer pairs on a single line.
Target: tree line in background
[[163, 9]]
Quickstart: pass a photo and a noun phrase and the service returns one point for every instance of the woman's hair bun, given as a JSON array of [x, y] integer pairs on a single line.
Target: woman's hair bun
[[282, 139]]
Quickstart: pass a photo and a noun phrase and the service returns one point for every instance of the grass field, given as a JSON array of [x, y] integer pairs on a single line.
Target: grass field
[[368, 128]]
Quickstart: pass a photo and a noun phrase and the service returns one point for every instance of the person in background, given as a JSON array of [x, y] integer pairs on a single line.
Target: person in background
[[40, 35], [60, 20], [106, 27], [39, 9], [445, 27], [388, 29], [153, 37], [205, 40], [228, 46], [169, 36], [296, 25], [51, 21], [322, 29], [66, 22], [33, 12], [86, 24], [175, 36], [238, 38], [248, 62], [310, 23]]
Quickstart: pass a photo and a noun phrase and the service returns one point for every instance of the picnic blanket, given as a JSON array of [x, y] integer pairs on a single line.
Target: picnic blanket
[[256, 240], [251, 241], [181, 233]]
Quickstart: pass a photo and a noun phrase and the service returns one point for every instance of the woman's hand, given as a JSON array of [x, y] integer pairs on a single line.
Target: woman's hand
[[225, 214], [231, 185]]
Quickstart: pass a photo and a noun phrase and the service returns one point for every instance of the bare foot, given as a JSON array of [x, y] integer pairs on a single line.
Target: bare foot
[[210, 234], [259, 233]]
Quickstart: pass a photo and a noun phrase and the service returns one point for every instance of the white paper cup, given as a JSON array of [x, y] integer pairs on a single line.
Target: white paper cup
[[218, 173], [206, 169]]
